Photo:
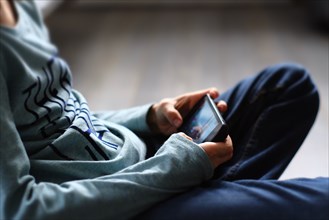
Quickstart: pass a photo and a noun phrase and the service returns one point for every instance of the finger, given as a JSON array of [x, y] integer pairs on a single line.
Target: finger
[[173, 116], [187, 101], [213, 92], [228, 140], [222, 106]]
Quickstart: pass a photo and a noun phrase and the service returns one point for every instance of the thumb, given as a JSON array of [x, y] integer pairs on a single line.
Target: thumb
[[173, 116]]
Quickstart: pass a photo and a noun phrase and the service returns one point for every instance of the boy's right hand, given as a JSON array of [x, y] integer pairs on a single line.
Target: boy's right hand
[[218, 152]]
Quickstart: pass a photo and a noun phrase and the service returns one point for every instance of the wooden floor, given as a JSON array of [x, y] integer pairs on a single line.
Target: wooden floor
[[126, 56]]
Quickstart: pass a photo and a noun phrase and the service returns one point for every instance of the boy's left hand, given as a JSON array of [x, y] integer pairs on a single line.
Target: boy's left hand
[[166, 116]]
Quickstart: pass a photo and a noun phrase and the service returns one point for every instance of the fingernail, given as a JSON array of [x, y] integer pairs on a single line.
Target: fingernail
[[177, 123]]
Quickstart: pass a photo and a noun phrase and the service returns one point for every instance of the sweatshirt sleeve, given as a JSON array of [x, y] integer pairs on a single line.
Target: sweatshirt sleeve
[[132, 118], [177, 166]]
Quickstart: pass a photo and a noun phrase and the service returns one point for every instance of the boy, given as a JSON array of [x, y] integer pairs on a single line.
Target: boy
[[60, 160]]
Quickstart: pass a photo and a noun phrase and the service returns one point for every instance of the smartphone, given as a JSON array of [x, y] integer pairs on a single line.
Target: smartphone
[[204, 122]]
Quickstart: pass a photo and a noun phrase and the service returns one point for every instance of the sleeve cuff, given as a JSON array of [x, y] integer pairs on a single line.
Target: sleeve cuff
[[193, 154]]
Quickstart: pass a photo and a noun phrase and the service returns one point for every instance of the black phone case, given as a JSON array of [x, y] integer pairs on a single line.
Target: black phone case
[[223, 132]]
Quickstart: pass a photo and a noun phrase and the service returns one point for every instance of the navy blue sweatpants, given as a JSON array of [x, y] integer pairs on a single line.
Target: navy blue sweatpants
[[269, 116]]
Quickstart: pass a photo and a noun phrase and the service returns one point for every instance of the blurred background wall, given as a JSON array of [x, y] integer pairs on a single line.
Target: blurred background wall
[[132, 52]]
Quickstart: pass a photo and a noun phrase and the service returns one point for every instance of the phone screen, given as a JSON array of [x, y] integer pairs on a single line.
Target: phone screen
[[203, 124]]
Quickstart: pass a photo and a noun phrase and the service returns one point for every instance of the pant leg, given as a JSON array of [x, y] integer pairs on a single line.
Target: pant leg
[[269, 116], [301, 199]]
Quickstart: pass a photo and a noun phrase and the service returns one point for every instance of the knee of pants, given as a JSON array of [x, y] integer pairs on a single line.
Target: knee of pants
[[288, 73], [295, 78]]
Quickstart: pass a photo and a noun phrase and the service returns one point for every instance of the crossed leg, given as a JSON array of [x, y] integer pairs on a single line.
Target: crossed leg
[[269, 116]]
